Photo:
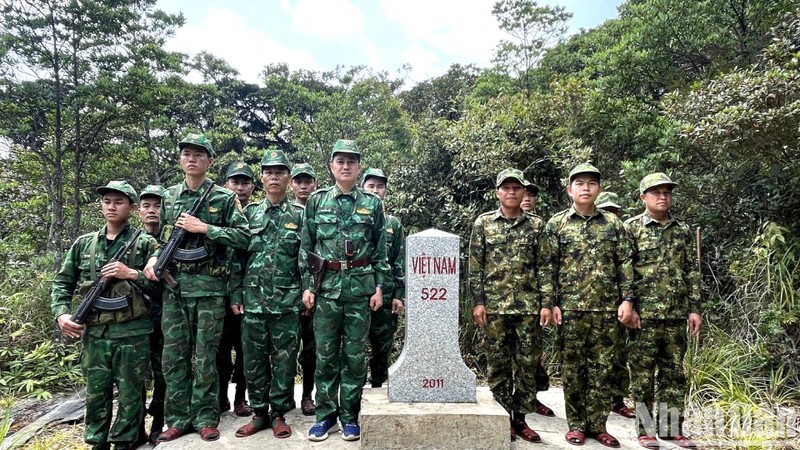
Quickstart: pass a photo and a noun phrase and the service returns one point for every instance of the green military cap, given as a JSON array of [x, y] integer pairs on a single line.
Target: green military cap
[[240, 169], [655, 179], [375, 173], [531, 187], [275, 158], [119, 186], [607, 200], [303, 169], [346, 146], [152, 190], [583, 168], [507, 174], [198, 140]]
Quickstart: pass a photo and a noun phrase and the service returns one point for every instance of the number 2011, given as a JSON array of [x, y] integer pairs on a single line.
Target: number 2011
[[434, 294], [432, 383]]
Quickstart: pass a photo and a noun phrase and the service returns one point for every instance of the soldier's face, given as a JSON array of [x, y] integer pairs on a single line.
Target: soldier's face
[[242, 186], [345, 168], [584, 189], [528, 202], [149, 210], [657, 199], [303, 186], [275, 179], [195, 160], [510, 193], [375, 185], [117, 207]]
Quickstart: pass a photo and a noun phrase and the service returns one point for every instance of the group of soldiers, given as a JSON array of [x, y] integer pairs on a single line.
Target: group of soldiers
[[242, 282], [613, 289]]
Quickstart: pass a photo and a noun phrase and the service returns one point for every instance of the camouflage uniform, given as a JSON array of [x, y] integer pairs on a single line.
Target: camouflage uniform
[[342, 313], [503, 256], [194, 311], [115, 345], [270, 283], [667, 285], [586, 271]]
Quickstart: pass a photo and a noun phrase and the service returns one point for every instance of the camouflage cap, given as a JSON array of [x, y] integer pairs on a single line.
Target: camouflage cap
[[531, 187], [198, 140], [583, 168], [346, 146], [607, 200], [655, 179], [375, 173], [119, 186], [303, 169], [152, 190], [275, 158], [240, 169], [507, 174]]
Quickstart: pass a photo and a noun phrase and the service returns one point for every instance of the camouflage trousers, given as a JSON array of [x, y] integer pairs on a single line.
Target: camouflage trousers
[[340, 329], [156, 409], [512, 344], [621, 376], [229, 369], [656, 359], [270, 353], [588, 343], [308, 353], [382, 327], [192, 327], [107, 362]]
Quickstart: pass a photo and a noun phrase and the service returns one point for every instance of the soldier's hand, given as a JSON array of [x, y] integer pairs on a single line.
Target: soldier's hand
[[625, 313], [636, 321], [545, 317], [397, 306], [119, 271], [148, 269], [479, 315], [69, 328], [695, 323], [237, 309], [376, 301], [308, 299], [191, 224], [556, 319]]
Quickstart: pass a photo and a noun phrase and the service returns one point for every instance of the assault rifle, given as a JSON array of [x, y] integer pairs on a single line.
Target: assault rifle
[[172, 252], [92, 301]]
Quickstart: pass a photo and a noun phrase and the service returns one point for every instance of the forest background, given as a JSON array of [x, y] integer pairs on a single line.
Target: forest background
[[707, 91]]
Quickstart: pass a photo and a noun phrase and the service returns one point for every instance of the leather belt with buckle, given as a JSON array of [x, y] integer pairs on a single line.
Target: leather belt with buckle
[[346, 264]]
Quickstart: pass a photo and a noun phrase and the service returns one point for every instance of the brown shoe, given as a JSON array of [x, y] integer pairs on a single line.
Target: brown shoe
[[524, 431], [171, 434], [649, 442], [209, 434], [241, 408], [307, 406], [622, 409], [257, 423], [279, 428]]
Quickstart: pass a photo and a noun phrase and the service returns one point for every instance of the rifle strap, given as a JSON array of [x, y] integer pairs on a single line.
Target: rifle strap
[[93, 257]]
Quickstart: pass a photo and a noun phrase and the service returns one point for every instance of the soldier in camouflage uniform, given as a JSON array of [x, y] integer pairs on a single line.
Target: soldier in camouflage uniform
[[383, 323], [667, 285], [149, 211], [270, 280], [115, 344], [304, 182], [503, 258], [240, 179], [194, 309], [345, 226], [609, 201], [586, 276]]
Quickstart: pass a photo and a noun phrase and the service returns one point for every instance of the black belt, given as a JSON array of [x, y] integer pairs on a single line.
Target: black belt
[[346, 264]]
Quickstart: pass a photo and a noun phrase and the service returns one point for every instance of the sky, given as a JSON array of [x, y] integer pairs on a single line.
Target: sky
[[428, 35]]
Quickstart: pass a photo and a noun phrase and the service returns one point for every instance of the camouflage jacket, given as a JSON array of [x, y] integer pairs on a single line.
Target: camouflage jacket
[[270, 281], [503, 256], [331, 218], [76, 271], [666, 277], [395, 284], [227, 227], [586, 262]]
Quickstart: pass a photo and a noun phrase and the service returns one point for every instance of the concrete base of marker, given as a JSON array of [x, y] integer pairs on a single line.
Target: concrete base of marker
[[398, 425]]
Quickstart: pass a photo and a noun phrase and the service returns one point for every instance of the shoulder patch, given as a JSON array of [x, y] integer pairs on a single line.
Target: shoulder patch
[[291, 226], [363, 211]]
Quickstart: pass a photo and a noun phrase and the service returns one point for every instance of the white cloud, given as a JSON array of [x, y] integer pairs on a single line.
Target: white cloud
[[226, 35], [328, 19], [425, 64]]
